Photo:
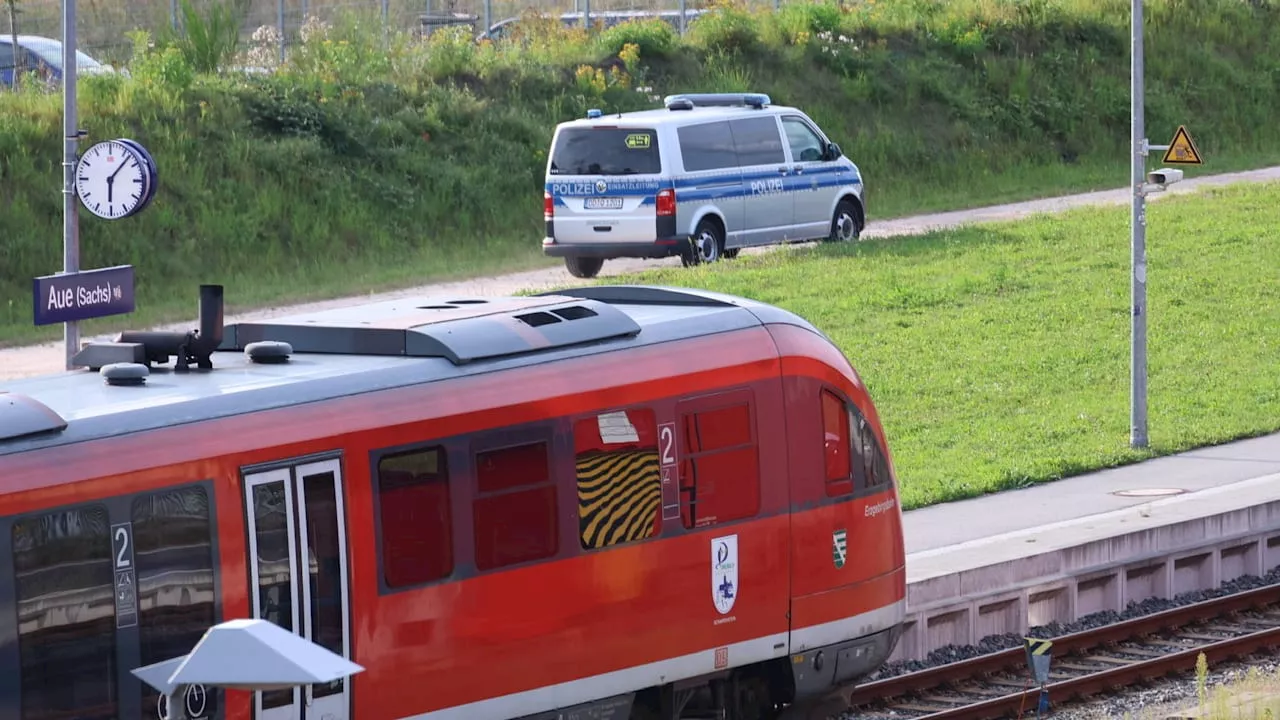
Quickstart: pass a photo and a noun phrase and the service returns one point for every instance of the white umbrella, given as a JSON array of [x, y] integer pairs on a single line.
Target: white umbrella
[[249, 655]]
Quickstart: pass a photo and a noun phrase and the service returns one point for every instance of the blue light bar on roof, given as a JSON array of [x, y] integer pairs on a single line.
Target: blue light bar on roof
[[755, 100], [594, 113]]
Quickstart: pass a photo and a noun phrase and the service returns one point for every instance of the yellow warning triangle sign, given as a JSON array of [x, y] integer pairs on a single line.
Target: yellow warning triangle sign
[[1182, 151]]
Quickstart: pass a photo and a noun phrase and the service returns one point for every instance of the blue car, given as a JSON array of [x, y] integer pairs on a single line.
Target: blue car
[[42, 56]]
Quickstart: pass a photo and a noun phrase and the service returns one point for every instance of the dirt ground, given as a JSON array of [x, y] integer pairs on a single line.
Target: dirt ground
[[48, 358]]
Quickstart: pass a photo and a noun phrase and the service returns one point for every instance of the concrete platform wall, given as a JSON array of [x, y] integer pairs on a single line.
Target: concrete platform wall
[[1063, 584]]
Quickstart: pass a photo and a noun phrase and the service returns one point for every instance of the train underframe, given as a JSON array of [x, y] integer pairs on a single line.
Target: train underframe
[[805, 686]]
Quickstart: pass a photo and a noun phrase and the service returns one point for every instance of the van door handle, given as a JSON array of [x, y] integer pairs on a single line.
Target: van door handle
[[799, 169], [782, 171]]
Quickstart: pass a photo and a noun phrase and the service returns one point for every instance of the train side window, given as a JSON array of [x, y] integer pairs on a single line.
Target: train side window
[[416, 519], [720, 472], [64, 581], [619, 483], [874, 464], [838, 446], [515, 506], [173, 552]]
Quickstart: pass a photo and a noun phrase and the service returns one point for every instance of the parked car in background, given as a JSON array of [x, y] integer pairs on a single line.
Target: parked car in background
[[502, 29], [42, 56]]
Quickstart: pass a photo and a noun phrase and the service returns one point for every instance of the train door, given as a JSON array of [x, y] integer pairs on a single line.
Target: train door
[[299, 577]]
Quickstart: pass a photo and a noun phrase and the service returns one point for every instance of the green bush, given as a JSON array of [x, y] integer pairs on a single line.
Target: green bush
[[369, 160]]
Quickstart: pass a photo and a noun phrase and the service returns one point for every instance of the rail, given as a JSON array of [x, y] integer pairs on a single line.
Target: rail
[[1072, 653]]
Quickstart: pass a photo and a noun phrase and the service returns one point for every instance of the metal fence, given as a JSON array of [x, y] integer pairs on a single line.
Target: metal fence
[[103, 25]]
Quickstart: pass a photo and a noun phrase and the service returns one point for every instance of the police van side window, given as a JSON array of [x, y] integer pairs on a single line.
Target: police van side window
[[707, 146], [758, 141], [805, 144]]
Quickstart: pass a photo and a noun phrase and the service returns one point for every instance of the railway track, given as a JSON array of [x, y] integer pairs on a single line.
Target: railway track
[[1087, 663]]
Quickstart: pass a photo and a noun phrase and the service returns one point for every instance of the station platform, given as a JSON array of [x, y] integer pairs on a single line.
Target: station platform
[[1058, 551]]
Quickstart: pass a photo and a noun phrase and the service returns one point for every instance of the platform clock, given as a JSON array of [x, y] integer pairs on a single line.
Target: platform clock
[[116, 179]]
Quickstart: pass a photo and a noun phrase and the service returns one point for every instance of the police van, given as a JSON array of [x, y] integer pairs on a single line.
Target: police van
[[702, 178]]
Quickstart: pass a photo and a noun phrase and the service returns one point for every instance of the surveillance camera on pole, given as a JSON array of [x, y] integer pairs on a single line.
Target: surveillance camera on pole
[[1161, 179]]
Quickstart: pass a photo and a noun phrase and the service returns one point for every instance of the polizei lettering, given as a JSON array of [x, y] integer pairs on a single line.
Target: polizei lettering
[[78, 296]]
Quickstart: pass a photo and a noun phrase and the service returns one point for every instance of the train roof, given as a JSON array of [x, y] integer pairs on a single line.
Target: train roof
[[353, 350]]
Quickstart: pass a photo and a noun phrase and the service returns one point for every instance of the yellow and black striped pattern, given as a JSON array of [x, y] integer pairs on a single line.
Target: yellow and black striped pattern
[[619, 494]]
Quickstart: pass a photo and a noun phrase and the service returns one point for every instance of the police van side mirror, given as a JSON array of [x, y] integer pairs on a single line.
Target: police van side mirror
[[833, 151]]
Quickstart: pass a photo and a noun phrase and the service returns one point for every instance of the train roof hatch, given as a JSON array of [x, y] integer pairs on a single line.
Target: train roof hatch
[[459, 330]]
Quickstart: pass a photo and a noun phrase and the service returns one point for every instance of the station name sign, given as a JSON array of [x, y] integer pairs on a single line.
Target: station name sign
[[79, 296]]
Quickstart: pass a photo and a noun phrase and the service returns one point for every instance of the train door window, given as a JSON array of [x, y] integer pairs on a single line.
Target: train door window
[[64, 582], [173, 554], [838, 446], [619, 482], [515, 506], [720, 472], [415, 516]]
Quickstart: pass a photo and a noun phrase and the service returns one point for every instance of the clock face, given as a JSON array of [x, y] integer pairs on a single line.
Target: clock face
[[112, 180]]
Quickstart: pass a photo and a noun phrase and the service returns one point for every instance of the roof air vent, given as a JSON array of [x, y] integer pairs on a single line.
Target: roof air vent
[[537, 319], [575, 312], [268, 352], [125, 374]]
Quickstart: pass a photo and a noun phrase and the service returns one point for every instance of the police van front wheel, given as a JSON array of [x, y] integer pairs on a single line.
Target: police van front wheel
[[846, 225], [706, 245], [584, 267]]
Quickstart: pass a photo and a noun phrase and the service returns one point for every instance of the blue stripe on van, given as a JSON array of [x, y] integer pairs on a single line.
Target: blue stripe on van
[[612, 188], [704, 187]]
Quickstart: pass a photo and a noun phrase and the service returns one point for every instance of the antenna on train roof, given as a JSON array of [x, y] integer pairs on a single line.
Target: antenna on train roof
[[241, 655]]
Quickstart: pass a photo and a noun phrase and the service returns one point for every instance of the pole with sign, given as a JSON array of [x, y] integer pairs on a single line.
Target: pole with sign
[[70, 136], [1180, 151], [115, 179]]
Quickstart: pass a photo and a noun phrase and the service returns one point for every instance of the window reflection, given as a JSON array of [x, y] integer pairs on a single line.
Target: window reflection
[[174, 556], [275, 587], [66, 615], [324, 569]]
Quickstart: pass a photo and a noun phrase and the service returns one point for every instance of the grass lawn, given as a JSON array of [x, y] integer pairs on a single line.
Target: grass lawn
[[998, 355]]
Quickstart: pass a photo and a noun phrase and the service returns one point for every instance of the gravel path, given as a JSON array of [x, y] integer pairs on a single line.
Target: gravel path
[[37, 359]]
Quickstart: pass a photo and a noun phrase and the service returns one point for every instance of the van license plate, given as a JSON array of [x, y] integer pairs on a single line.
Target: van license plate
[[602, 203]]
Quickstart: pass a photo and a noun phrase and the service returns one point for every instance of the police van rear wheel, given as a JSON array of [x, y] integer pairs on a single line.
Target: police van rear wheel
[[584, 267], [706, 245]]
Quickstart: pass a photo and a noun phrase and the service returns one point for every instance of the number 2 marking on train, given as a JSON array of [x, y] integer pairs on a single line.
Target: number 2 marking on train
[[670, 474], [122, 543], [667, 439], [126, 590]]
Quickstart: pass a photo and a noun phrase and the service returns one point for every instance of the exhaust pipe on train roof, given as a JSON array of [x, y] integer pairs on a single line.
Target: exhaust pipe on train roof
[[193, 346], [211, 325]]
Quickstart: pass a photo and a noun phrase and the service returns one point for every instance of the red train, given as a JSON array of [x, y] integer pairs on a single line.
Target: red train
[[609, 502]]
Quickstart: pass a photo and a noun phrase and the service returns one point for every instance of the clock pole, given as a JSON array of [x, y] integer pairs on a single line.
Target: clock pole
[[70, 134]]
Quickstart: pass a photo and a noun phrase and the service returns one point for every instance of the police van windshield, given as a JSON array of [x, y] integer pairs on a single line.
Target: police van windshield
[[605, 151]]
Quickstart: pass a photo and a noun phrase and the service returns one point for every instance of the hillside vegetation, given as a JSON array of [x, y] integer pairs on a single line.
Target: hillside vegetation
[[356, 166]]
